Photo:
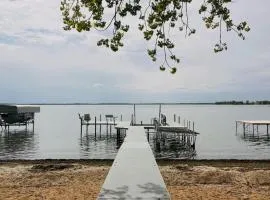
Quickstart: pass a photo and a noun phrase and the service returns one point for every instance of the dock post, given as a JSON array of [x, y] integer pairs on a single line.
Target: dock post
[[134, 114], [87, 128], [244, 128], [178, 119], [107, 128], [267, 128], [132, 121], [118, 137], [193, 127], [81, 127], [121, 118], [95, 127], [148, 134], [174, 117], [100, 126], [110, 130], [33, 126], [159, 114]]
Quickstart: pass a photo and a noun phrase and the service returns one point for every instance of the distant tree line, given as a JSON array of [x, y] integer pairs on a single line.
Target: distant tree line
[[247, 102]]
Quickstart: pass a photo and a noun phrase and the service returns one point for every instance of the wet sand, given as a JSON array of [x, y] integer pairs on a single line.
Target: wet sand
[[186, 179]]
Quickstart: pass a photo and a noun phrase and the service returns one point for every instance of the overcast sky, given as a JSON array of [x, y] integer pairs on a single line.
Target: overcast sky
[[41, 63]]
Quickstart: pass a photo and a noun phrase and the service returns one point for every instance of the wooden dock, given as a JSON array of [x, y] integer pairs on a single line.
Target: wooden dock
[[134, 173], [254, 123]]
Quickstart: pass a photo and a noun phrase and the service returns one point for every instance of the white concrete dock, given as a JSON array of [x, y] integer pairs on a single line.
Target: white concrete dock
[[255, 122], [134, 173], [123, 125], [247, 123]]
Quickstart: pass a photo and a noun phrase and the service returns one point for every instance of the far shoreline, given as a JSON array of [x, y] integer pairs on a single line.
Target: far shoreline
[[143, 103]]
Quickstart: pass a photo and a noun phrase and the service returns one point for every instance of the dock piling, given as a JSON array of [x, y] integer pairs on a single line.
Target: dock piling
[[100, 127], [87, 128], [95, 127], [107, 131], [134, 114], [148, 137], [33, 125], [255, 126], [110, 130], [81, 123], [118, 137], [159, 114]]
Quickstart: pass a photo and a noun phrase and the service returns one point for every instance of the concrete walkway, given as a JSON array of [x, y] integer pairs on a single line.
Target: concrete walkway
[[134, 173]]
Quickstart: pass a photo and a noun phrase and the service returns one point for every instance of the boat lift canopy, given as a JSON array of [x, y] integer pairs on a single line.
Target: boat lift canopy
[[14, 109]]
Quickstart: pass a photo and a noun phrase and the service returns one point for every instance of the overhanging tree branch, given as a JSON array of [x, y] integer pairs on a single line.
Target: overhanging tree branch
[[156, 16]]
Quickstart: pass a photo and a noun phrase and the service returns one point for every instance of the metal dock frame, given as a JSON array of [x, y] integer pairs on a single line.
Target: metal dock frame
[[247, 123]]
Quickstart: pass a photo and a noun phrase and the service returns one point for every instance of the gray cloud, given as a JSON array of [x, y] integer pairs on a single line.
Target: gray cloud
[[38, 60]]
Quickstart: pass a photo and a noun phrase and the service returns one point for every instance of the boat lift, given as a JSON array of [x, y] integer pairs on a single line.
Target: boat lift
[[17, 115]]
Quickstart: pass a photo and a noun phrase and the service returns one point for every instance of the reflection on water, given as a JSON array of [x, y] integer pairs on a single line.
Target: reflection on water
[[16, 144], [173, 145], [255, 136], [101, 147], [57, 133], [104, 146], [261, 140]]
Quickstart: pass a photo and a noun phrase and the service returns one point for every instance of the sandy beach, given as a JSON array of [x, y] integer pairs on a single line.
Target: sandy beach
[[82, 179]]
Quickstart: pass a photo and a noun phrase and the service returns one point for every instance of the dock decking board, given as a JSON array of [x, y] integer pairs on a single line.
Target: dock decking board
[[92, 122], [123, 125], [255, 122], [247, 123], [134, 173]]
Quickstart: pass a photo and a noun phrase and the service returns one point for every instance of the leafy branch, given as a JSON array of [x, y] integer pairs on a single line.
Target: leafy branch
[[156, 16]]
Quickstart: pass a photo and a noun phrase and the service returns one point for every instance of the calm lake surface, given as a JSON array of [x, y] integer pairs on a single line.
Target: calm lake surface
[[57, 132]]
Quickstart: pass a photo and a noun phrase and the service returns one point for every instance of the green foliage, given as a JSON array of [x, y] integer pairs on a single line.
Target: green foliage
[[157, 18], [217, 13]]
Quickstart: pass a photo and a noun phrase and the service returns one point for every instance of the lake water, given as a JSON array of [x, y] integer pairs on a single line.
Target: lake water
[[57, 132]]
